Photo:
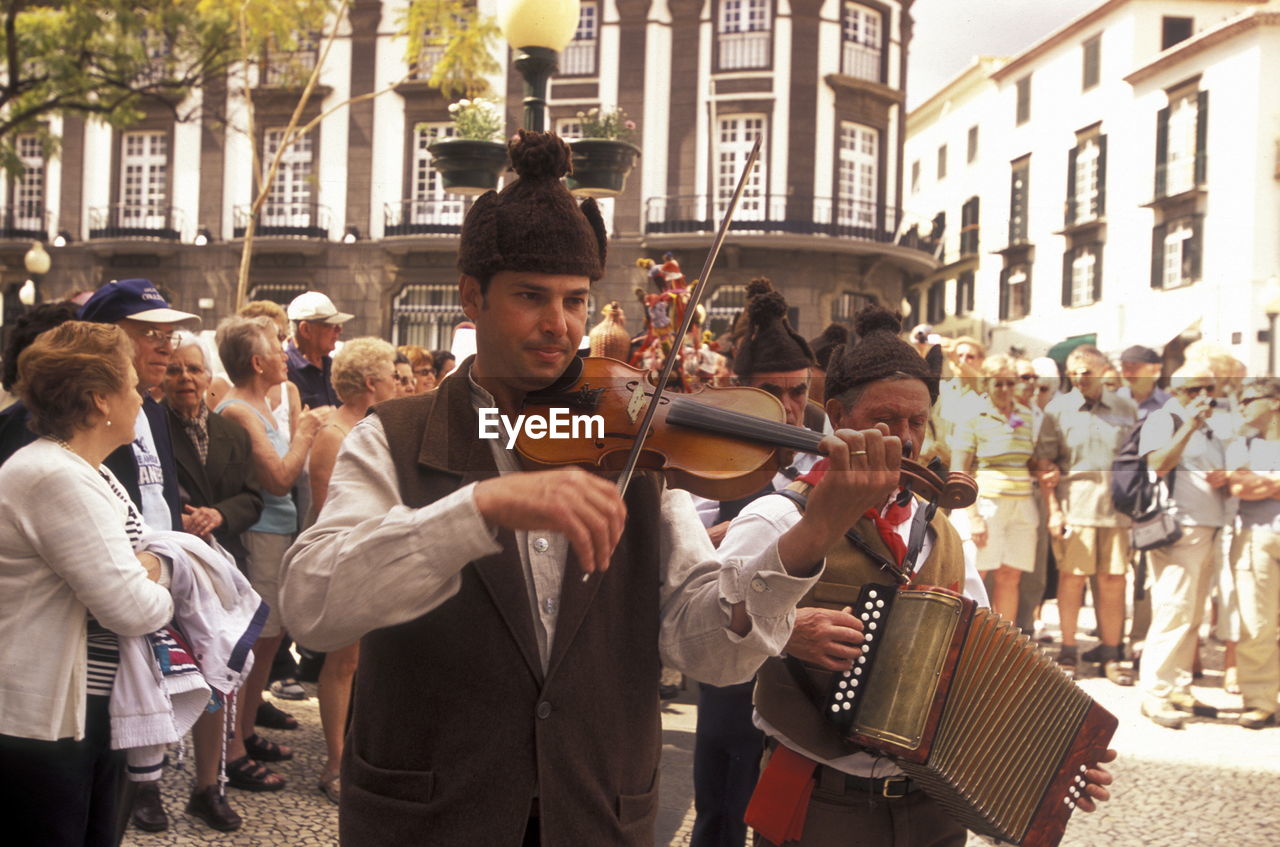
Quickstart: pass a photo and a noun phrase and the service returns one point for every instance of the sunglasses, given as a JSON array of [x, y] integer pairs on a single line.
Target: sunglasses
[[1192, 390], [1027, 377]]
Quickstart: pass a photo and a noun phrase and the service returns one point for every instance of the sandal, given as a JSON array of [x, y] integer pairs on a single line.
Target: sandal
[[1118, 673], [1067, 663], [1231, 681], [331, 788], [247, 775], [273, 717], [263, 750]]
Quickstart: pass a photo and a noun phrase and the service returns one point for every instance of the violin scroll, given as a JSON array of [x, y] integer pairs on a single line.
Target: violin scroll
[[956, 491]]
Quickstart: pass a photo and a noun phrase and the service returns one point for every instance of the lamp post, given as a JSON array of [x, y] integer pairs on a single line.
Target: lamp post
[[1272, 310], [37, 261], [537, 30]]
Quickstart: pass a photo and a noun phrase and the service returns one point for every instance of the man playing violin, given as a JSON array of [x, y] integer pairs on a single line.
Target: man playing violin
[[857, 799], [501, 698]]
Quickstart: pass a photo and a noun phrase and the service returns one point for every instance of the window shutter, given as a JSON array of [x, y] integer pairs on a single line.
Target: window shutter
[[1071, 185], [1191, 250], [1004, 294], [1100, 199], [1097, 273], [1067, 258], [1157, 255], [1162, 148], [1202, 129]]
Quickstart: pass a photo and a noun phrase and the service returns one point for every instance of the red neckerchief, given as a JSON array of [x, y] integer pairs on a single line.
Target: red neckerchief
[[886, 524]]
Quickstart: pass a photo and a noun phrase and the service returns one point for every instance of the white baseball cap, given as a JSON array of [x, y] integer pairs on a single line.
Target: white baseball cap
[[314, 306]]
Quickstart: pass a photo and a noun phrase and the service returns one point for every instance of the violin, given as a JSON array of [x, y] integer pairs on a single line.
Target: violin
[[718, 443]]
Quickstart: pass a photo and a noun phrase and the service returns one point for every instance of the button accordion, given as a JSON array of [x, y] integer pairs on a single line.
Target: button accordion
[[967, 706]]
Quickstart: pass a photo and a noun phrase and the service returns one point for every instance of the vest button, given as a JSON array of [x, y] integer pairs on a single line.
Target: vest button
[[544, 710], [541, 545]]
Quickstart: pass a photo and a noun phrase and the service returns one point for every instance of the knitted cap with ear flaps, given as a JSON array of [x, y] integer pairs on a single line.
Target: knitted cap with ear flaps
[[770, 344], [534, 224], [879, 353]]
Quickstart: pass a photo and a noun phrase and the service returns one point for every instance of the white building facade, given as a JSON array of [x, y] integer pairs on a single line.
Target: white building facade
[[1124, 186]]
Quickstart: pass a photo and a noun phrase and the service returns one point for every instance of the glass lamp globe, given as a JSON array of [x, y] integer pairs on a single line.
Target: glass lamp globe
[[538, 23]]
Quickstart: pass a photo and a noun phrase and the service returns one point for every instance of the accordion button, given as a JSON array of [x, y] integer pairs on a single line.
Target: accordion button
[[1066, 801], [847, 705], [871, 593], [862, 660], [871, 636], [835, 707], [879, 604], [854, 683], [875, 615], [858, 671], [839, 695], [1082, 768]]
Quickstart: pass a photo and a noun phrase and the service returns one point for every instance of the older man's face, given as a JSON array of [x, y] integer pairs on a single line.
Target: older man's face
[[901, 404], [152, 349]]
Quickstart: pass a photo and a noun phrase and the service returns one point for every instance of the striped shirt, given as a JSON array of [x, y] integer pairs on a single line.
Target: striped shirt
[[1001, 448], [103, 647]]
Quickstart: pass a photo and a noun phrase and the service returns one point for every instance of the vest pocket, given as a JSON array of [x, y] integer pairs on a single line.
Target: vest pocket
[[634, 808], [835, 595]]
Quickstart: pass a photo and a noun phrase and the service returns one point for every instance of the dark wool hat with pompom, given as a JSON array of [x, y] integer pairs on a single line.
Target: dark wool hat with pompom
[[770, 344], [824, 345], [534, 224], [879, 353]]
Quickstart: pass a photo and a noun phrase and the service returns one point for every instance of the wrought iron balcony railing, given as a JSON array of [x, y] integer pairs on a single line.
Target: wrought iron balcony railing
[[778, 214], [284, 220], [428, 216], [136, 220], [26, 222]]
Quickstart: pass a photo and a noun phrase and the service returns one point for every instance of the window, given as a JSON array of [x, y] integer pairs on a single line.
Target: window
[[936, 306], [289, 203], [863, 42], [292, 67], [848, 304], [431, 205], [735, 137], [1019, 196], [1086, 179], [723, 306], [942, 163], [1024, 100], [969, 227], [579, 58], [858, 175], [278, 292], [1082, 275], [964, 293], [915, 177], [972, 152], [1015, 292], [1175, 253], [570, 129], [426, 315], [28, 189], [1091, 60], [1173, 30], [744, 34], [1180, 144], [144, 180]]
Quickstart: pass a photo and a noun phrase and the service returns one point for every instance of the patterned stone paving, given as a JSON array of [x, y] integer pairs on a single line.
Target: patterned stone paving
[[1212, 784]]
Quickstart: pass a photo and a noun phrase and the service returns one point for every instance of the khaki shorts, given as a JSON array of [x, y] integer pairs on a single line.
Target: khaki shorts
[[1011, 534], [1089, 550], [266, 552]]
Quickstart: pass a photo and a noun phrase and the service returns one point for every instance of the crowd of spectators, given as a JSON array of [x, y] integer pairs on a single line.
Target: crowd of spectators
[[128, 423]]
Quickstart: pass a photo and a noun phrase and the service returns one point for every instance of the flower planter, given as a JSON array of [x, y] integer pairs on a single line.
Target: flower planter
[[600, 166], [467, 166]]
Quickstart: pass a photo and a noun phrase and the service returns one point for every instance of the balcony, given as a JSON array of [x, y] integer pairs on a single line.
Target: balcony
[[425, 217], [428, 58], [860, 61], [28, 222], [744, 50], [136, 221], [777, 214], [284, 220], [579, 58]]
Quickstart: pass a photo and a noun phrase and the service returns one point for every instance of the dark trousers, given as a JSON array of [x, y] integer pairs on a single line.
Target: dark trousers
[[726, 763], [62, 792]]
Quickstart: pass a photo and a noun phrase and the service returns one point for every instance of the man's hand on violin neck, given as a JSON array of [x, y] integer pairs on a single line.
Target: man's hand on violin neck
[[586, 508], [864, 471]]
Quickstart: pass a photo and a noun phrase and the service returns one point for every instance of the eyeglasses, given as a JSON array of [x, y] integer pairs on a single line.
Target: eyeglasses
[[404, 380], [424, 372], [159, 337], [1192, 390]]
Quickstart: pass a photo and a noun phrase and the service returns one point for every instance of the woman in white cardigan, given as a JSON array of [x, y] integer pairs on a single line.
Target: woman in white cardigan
[[70, 583]]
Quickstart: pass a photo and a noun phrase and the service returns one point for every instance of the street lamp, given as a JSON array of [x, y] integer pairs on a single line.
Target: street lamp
[[1272, 309], [37, 262], [537, 30]]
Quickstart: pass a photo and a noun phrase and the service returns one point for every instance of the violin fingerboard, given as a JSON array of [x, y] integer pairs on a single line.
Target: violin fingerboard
[[845, 695]]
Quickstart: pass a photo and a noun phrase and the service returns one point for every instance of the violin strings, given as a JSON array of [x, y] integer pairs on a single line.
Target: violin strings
[[696, 415]]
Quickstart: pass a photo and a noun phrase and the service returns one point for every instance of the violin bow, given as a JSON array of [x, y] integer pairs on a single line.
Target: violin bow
[[624, 481]]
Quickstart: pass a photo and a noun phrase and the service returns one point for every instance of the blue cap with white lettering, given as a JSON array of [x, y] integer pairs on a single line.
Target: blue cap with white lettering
[[136, 299]]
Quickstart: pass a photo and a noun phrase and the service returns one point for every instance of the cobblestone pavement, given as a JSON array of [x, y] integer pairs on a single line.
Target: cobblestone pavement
[[1210, 784]]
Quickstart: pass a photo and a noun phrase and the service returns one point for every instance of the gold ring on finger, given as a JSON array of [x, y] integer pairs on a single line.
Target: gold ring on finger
[[857, 452]]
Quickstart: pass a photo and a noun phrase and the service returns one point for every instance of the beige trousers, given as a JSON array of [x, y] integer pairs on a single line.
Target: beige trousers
[[1255, 560], [1180, 580]]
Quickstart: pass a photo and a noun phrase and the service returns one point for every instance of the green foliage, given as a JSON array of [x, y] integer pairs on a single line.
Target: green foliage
[[466, 38], [610, 124], [479, 119]]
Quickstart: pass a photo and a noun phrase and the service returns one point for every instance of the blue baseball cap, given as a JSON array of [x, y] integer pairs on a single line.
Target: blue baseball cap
[[136, 299]]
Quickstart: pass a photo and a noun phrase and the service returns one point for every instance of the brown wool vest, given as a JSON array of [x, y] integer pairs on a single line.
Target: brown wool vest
[[455, 728], [780, 700]]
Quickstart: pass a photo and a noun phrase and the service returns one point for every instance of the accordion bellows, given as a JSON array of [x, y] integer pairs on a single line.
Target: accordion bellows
[[968, 707]]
